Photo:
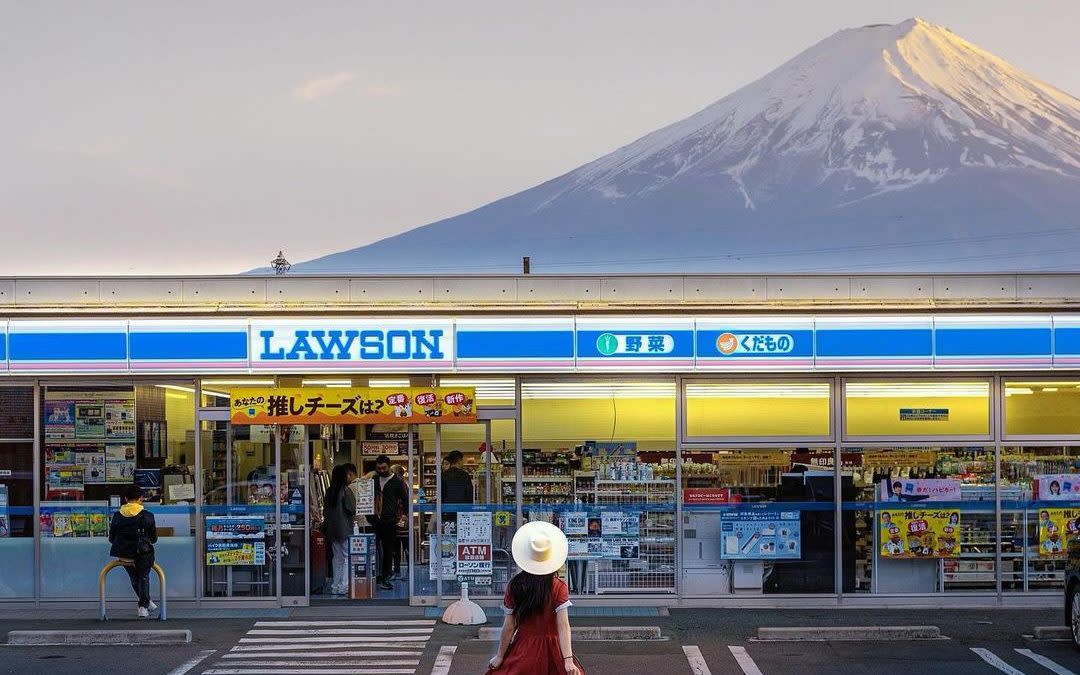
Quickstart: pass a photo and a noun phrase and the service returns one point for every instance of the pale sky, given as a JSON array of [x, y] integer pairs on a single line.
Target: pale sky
[[201, 137]]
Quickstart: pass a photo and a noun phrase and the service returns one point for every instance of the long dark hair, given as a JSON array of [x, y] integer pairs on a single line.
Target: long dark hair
[[339, 477], [531, 594]]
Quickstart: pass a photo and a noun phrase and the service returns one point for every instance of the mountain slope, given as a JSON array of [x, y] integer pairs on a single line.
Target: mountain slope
[[883, 148]]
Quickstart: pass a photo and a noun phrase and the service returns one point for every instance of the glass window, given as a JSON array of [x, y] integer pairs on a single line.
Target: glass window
[[745, 408], [17, 519], [1042, 408], [917, 408], [758, 521], [215, 392], [1040, 504], [919, 520], [598, 460], [96, 441]]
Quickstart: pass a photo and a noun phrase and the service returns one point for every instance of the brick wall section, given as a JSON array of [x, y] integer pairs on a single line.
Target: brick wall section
[[16, 412]]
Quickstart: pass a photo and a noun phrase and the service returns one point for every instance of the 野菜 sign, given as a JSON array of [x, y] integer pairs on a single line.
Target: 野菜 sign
[[353, 405], [919, 534]]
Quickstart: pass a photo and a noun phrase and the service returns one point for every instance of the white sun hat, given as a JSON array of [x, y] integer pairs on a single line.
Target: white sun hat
[[539, 548]]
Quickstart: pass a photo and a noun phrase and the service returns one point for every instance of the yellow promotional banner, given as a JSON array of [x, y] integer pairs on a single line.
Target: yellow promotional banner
[[353, 405], [913, 533], [1056, 527]]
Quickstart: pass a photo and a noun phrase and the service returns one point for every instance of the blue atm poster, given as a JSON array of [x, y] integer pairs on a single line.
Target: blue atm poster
[[760, 535]]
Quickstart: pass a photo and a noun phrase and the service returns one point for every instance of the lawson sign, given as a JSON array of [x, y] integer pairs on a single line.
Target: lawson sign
[[314, 345]]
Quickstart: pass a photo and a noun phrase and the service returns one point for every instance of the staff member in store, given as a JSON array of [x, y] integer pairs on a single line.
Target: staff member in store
[[457, 485], [133, 533], [390, 504]]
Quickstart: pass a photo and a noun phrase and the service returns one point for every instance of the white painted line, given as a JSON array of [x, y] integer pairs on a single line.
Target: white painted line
[[310, 671], [357, 646], [443, 660], [382, 659], [337, 640], [273, 624], [745, 662], [192, 662], [1045, 662], [696, 660], [995, 661], [386, 632], [330, 663]]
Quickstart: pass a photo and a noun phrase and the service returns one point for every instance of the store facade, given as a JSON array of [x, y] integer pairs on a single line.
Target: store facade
[[690, 459]]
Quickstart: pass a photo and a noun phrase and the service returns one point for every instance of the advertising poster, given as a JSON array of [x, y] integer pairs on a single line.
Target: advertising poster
[[235, 527], [150, 482], [364, 490], [89, 420], [119, 463], [760, 535], [612, 523], [92, 461], [575, 523], [233, 553], [353, 405], [474, 556], [447, 567], [59, 420], [1058, 486], [920, 489], [1056, 527], [5, 519], [620, 548], [120, 420], [919, 534], [64, 481]]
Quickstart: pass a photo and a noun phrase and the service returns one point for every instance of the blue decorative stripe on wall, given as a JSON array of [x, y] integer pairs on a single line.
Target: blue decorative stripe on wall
[[68, 346], [515, 344], [876, 342], [993, 342], [194, 346], [1067, 340]]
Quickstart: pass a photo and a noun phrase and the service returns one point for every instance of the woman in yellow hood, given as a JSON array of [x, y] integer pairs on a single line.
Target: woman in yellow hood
[[133, 534]]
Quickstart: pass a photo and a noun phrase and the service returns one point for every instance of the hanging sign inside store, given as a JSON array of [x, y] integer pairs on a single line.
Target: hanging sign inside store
[[364, 491], [1057, 487], [353, 405], [753, 534], [1056, 528], [706, 495], [891, 458], [924, 414], [920, 489], [919, 534]]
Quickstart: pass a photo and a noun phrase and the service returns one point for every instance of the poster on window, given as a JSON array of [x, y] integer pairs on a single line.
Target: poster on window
[[120, 419], [59, 420], [235, 553], [575, 523], [446, 566], [5, 521], [1057, 487], [364, 491], [613, 523], [92, 461], [89, 419], [235, 527], [913, 533], [760, 535], [1056, 528], [920, 489], [474, 555]]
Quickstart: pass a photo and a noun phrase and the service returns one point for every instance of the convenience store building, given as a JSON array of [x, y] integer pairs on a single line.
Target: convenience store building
[[720, 440]]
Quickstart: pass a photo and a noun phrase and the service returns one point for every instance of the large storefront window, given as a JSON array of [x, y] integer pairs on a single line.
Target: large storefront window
[[758, 521], [96, 440], [17, 492], [929, 408], [747, 408], [1042, 408], [919, 520], [599, 461]]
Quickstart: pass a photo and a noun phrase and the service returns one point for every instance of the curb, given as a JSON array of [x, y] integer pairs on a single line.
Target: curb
[[1053, 633], [612, 633], [98, 637], [826, 633]]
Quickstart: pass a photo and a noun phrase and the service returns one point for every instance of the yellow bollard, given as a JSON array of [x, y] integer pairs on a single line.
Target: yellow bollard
[[126, 562]]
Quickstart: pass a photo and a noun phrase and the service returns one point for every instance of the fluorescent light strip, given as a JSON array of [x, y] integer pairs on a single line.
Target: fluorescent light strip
[[597, 390], [389, 383], [326, 383], [917, 390], [486, 389], [239, 383], [751, 390]]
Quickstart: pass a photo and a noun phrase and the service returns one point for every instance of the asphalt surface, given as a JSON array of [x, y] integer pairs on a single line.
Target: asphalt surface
[[723, 638]]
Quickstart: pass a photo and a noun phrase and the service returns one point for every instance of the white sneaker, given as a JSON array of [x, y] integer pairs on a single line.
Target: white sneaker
[[144, 613], [153, 606]]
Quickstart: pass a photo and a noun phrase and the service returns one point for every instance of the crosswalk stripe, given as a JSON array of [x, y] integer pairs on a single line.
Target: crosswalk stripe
[[283, 653], [696, 660], [346, 639], [289, 646], [443, 660], [389, 632], [310, 671], [743, 659], [331, 664], [1050, 665], [330, 622], [192, 662], [995, 661]]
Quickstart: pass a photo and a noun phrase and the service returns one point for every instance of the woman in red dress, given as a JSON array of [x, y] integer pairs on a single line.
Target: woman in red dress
[[536, 631]]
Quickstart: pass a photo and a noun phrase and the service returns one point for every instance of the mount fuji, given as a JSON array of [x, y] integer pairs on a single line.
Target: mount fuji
[[885, 148]]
